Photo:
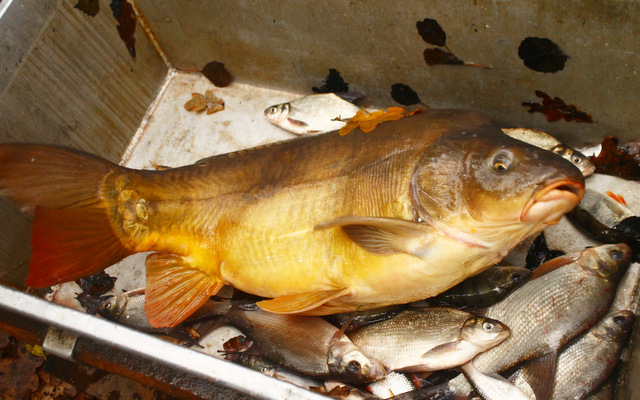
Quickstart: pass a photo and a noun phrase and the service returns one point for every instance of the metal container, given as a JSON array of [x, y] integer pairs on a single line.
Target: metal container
[[68, 77]]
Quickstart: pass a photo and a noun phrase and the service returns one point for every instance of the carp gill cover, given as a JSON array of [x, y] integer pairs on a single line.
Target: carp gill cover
[[318, 224]]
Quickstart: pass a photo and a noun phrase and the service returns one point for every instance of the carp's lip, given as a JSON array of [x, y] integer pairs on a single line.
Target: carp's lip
[[550, 203]]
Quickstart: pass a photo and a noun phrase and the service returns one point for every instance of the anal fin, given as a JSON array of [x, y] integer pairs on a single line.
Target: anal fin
[[175, 289], [299, 303]]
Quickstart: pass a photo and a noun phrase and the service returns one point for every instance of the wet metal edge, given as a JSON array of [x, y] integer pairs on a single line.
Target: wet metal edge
[[150, 348]]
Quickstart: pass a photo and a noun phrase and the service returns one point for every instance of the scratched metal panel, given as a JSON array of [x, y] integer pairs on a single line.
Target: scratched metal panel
[[290, 45]]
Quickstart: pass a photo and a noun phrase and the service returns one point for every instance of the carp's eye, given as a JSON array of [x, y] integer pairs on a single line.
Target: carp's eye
[[487, 326], [576, 159], [502, 161], [354, 366]]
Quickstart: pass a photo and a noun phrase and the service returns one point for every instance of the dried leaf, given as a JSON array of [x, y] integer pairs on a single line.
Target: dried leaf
[[97, 284], [542, 55], [332, 84], [556, 109], [89, 7], [217, 74], [622, 161], [123, 12], [431, 32], [440, 57], [207, 102], [404, 95], [36, 350], [369, 121]]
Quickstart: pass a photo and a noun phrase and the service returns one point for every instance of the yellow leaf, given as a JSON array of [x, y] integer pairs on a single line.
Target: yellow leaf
[[36, 350], [369, 121], [207, 102]]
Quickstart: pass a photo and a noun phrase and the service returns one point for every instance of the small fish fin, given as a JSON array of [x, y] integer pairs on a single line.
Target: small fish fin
[[617, 197], [442, 352], [384, 235], [70, 244], [552, 265], [297, 122], [175, 289], [539, 374], [298, 303]]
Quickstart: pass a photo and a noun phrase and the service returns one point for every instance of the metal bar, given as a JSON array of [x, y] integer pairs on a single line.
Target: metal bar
[[154, 350]]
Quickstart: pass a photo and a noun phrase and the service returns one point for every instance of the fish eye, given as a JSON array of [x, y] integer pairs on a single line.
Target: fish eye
[[576, 159], [502, 161], [354, 366], [488, 326], [272, 110], [619, 320], [617, 255]]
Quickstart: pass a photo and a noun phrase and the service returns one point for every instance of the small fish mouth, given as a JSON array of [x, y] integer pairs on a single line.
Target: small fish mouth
[[550, 203]]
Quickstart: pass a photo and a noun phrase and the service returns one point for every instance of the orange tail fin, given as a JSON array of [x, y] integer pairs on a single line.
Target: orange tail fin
[[72, 235]]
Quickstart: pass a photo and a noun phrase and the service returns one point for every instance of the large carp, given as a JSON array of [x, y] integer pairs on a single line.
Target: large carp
[[319, 224]]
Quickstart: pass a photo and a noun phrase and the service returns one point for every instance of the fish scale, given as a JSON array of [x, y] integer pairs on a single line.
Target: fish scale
[[546, 313], [319, 224]]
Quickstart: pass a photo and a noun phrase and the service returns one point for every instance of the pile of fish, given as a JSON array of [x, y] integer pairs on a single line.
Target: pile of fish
[[338, 240]]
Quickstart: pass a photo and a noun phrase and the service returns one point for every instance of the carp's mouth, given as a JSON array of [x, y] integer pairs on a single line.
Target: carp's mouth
[[550, 203]]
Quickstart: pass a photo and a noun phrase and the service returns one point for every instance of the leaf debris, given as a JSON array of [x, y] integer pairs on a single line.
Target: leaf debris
[[622, 161], [208, 101], [89, 7], [369, 121], [332, 84], [432, 33], [403, 94], [556, 109], [126, 17], [542, 55], [217, 74]]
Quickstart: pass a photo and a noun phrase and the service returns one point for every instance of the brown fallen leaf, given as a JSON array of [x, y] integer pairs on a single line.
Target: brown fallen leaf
[[556, 109], [431, 32], [126, 17], [217, 74], [369, 121], [206, 101], [622, 161]]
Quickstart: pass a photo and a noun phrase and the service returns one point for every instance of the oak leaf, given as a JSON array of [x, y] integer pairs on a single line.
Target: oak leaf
[[207, 102], [369, 121]]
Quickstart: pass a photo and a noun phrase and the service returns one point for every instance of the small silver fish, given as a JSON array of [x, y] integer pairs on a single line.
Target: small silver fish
[[545, 141], [493, 387], [486, 288], [316, 113], [606, 219], [601, 345], [306, 345], [128, 309], [428, 339], [549, 310]]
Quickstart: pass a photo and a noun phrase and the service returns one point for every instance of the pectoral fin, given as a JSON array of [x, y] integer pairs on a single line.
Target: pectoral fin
[[385, 235], [444, 356], [299, 303], [175, 289], [552, 265]]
